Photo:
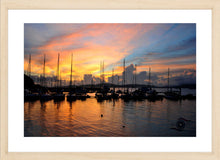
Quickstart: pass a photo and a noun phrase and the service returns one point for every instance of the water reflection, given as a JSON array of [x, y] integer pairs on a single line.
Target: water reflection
[[119, 118]]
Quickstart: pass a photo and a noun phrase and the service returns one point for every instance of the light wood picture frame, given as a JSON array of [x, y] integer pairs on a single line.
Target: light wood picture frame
[[213, 5]]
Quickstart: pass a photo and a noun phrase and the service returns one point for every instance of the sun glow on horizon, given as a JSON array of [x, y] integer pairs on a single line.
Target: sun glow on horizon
[[158, 46]]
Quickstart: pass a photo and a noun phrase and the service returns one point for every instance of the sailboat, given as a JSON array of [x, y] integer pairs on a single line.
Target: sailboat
[[125, 95], [59, 96], [112, 94], [151, 93], [71, 96], [44, 96], [102, 93], [137, 94], [169, 94]]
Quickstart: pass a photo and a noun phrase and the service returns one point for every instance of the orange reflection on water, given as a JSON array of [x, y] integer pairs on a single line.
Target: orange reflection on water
[[83, 118]]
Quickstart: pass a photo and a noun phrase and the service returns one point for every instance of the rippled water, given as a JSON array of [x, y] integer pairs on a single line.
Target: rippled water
[[83, 118]]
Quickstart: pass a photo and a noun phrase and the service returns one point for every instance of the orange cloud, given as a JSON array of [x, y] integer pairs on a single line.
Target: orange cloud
[[110, 42]]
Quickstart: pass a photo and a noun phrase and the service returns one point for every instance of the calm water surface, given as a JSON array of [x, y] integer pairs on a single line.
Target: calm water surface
[[83, 118]]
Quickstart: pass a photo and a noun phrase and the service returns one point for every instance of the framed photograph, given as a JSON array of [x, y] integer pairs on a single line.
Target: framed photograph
[[127, 81]]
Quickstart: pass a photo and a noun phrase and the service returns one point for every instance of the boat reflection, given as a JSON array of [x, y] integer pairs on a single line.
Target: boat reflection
[[119, 118]]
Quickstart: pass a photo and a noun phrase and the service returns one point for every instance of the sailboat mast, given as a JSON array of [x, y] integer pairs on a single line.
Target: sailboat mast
[[112, 75], [60, 75], [100, 73], [58, 70], [135, 77], [44, 70], [168, 78], [150, 77], [29, 66], [124, 75], [103, 73], [44, 64], [113, 79], [71, 70]]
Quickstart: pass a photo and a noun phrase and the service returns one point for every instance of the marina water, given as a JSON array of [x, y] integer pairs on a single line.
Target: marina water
[[110, 118]]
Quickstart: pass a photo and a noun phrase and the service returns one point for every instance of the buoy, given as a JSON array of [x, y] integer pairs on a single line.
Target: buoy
[[180, 124]]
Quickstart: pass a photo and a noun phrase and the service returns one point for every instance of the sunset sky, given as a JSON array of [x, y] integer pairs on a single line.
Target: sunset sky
[[158, 46]]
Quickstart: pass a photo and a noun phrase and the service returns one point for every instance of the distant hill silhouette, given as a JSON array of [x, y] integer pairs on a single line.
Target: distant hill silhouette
[[30, 85], [28, 82], [191, 86]]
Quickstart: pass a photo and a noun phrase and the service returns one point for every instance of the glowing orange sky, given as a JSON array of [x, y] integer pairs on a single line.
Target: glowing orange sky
[[158, 46]]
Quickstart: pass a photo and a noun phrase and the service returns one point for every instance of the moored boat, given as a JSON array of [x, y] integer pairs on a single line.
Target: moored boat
[[100, 96], [59, 97], [28, 96], [172, 95], [71, 97], [45, 97], [138, 95], [126, 96]]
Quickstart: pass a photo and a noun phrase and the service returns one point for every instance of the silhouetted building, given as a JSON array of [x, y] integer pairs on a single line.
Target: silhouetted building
[[87, 79]]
